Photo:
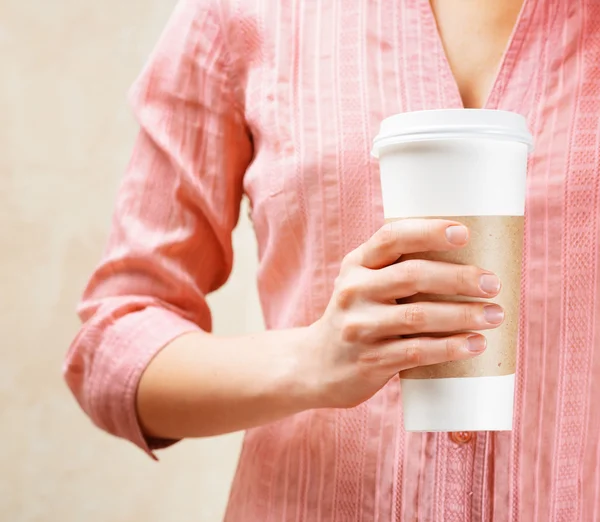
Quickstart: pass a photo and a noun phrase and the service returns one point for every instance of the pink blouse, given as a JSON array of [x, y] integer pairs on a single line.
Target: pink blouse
[[280, 101]]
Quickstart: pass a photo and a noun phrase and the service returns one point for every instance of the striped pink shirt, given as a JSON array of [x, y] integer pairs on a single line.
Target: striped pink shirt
[[280, 100]]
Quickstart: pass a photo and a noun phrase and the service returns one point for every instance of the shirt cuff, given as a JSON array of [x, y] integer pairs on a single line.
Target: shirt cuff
[[139, 337]]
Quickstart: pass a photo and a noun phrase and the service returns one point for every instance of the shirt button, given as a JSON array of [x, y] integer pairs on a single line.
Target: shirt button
[[461, 437]]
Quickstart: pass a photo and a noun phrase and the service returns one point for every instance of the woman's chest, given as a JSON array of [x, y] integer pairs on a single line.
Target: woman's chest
[[327, 73]]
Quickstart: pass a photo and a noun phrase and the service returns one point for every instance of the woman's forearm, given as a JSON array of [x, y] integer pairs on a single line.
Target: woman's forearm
[[203, 385]]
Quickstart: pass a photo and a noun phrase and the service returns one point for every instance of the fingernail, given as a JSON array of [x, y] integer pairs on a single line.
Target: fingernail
[[476, 343], [489, 284], [457, 234], [493, 314]]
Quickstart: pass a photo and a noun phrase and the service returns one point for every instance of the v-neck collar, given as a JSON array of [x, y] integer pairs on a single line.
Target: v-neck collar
[[505, 67]]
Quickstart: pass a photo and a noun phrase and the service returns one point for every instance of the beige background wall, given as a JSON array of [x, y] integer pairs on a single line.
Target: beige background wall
[[65, 137]]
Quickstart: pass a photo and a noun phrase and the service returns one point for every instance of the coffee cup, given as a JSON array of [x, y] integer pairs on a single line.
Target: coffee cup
[[469, 166]]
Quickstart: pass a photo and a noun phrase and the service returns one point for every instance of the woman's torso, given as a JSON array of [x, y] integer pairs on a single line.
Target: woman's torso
[[319, 77]]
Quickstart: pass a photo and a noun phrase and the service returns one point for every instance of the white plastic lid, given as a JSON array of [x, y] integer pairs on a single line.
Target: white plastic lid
[[451, 124]]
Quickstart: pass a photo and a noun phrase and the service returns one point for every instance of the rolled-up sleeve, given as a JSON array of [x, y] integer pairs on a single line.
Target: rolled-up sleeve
[[170, 240]]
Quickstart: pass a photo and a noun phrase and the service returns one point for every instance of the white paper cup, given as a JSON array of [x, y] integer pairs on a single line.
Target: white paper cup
[[470, 166]]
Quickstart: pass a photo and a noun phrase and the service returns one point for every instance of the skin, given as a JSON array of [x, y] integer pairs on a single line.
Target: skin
[[203, 385], [489, 23]]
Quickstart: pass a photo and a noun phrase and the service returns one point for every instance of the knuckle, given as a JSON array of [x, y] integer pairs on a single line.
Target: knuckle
[[426, 230], [413, 352], [347, 294], [424, 233], [372, 357], [453, 348], [415, 316], [386, 236], [352, 331], [463, 275], [414, 273], [349, 260], [468, 316]]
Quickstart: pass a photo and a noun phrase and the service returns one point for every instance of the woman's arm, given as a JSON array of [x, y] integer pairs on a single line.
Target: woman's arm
[[170, 240], [202, 385]]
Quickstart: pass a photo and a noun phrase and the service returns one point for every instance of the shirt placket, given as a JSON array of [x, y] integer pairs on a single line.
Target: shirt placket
[[464, 466]]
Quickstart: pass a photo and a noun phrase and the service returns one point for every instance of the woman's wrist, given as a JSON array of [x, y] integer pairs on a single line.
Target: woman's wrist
[[298, 376]]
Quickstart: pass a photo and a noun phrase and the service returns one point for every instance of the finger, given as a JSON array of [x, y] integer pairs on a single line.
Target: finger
[[403, 354], [435, 317], [410, 236], [417, 276]]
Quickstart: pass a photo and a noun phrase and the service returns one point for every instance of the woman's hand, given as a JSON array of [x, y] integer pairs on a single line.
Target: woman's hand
[[203, 385], [358, 344]]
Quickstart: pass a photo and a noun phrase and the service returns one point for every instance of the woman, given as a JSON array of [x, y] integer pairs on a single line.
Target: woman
[[280, 100]]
